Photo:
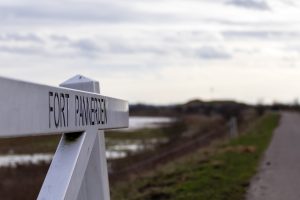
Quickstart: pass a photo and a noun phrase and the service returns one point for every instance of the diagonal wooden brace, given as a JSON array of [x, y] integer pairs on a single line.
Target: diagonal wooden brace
[[79, 167]]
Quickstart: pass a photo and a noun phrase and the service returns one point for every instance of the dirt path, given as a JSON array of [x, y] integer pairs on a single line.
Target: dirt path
[[279, 174]]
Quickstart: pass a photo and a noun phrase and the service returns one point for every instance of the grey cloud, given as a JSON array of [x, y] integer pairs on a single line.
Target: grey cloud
[[250, 4], [60, 38], [20, 37], [210, 53], [260, 34], [112, 45], [246, 23], [124, 48], [292, 48], [21, 50], [96, 46], [249, 51], [116, 12], [289, 2], [53, 12], [86, 45], [81, 47], [119, 47], [93, 47]]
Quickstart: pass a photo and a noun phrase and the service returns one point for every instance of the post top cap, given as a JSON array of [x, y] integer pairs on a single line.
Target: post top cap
[[83, 83], [78, 79]]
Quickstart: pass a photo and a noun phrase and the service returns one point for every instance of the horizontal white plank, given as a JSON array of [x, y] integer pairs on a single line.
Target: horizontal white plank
[[34, 109]]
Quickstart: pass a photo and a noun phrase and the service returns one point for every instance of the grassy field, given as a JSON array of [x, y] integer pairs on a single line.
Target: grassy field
[[162, 184], [29, 145], [219, 172]]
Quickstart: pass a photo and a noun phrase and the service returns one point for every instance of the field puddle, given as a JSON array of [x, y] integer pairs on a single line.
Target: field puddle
[[115, 150], [136, 123], [14, 160]]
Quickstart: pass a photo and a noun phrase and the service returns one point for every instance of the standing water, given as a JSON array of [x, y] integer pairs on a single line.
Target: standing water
[[119, 150], [147, 122]]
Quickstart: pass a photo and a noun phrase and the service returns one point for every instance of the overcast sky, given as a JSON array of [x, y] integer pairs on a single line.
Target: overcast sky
[[157, 51]]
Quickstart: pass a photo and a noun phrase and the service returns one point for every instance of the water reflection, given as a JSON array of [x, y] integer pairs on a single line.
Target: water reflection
[[120, 148], [14, 160], [115, 149], [147, 122]]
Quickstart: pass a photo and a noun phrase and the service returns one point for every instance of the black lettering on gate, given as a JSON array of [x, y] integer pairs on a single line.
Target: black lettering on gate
[[50, 108], [89, 111], [76, 110], [104, 112], [58, 109]]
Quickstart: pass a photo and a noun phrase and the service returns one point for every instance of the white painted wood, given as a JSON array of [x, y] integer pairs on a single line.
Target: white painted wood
[[65, 175], [83, 83], [34, 109], [95, 185], [79, 168]]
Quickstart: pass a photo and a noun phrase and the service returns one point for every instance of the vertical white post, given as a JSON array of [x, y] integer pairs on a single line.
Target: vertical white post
[[79, 168], [95, 183], [233, 129]]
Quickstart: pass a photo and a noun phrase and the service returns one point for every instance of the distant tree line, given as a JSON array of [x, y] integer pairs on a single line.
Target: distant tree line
[[226, 109]]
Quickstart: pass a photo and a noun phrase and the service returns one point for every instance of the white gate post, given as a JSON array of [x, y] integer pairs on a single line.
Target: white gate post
[[79, 168], [233, 127]]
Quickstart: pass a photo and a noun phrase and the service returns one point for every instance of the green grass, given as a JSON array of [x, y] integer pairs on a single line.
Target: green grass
[[49, 143], [220, 172], [140, 134], [172, 130], [29, 144]]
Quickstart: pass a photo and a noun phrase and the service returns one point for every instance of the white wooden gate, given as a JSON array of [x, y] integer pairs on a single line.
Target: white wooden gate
[[77, 111]]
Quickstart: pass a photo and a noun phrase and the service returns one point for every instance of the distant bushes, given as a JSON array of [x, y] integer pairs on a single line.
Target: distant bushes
[[226, 109]]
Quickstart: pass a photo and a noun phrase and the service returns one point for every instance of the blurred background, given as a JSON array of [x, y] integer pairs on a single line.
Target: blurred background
[[195, 72]]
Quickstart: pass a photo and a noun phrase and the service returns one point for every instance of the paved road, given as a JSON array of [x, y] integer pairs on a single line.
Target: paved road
[[279, 174]]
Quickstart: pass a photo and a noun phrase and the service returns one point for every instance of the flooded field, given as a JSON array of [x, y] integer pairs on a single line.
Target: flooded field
[[142, 134], [117, 147], [15, 160], [146, 144], [147, 122]]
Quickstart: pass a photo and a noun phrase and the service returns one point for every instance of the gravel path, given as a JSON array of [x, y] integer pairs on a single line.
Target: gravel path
[[279, 174]]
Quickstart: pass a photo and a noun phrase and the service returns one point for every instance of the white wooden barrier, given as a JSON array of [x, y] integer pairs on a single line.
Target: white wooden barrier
[[77, 110], [233, 127]]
